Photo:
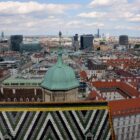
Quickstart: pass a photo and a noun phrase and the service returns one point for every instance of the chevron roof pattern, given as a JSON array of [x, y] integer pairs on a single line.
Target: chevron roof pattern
[[70, 122]]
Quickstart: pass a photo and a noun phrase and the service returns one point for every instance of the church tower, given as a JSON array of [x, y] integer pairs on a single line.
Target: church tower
[[60, 83]]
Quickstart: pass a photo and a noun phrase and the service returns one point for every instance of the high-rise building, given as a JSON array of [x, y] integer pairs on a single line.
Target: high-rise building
[[33, 46], [86, 41], [98, 33], [76, 37], [15, 41], [2, 35], [123, 40], [75, 42]]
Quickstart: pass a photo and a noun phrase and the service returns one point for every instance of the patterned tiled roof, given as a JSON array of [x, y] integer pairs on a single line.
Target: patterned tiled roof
[[55, 121]]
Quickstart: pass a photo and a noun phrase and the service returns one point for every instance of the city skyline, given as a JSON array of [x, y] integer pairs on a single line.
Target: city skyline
[[41, 17]]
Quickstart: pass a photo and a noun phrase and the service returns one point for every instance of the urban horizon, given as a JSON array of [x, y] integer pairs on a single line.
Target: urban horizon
[[39, 17]]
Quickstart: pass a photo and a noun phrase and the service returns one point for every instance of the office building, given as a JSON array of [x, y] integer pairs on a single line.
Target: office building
[[33, 46], [123, 40], [98, 33], [2, 35], [75, 42], [86, 42], [15, 41]]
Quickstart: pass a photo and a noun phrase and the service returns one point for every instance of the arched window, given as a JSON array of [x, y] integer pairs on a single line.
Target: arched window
[[15, 99], [38, 100], [89, 136], [33, 99], [9, 100], [27, 99], [7, 137]]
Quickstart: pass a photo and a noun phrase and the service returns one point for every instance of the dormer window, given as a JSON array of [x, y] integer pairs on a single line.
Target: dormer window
[[89, 136]]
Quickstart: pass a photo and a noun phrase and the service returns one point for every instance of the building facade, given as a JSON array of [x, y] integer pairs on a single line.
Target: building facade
[[126, 118]]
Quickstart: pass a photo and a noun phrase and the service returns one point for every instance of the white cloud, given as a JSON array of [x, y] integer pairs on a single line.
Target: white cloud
[[127, 27], [34, 17], [95, 25], [135, 18], [29, 25], [11, 7], [93, 14], [83, 24], [16, 7], [116, 10], [96, 3]]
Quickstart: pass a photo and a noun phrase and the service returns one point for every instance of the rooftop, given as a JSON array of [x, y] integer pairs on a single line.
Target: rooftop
[[56, 120], [60, 76], [126, 88], [125, 107], [22, 81]]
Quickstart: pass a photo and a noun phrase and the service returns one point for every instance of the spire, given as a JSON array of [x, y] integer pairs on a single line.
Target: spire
[[60, 36], [59, 59]]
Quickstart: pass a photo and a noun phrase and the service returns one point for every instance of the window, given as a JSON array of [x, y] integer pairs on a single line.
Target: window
[[21, 83], [122, 130], [128, 128], [6, 84], [34, 84], [7, 137], [15, 99], [132, 134], [14, 84], [21, 99], [122, 136], [89, 136], [138, 134], [27, 99], [9, 100], [38, 99], [139, 127]]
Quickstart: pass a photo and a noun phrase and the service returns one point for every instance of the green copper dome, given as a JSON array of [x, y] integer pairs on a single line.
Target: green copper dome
[[60, 76]]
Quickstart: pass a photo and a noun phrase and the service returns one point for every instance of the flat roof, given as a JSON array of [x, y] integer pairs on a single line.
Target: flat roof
[[17, 80]]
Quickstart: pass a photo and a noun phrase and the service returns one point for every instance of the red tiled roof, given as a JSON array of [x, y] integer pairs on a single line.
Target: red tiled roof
[[38, 55], [128, 63], [121, 85], [93, 95], [83, 74], [3, 72], [125, 107], [135, 84], [124, 73]]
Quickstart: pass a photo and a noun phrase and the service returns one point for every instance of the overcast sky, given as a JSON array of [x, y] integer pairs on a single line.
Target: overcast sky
[[47, 17]]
